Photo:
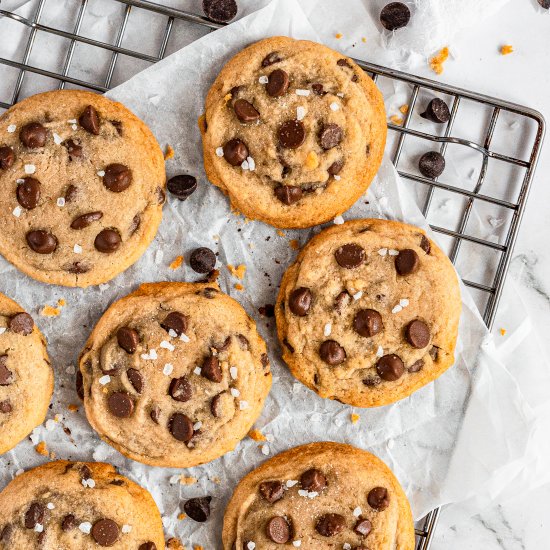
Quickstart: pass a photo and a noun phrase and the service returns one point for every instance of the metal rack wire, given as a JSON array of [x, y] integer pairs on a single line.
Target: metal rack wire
[[416, 85]]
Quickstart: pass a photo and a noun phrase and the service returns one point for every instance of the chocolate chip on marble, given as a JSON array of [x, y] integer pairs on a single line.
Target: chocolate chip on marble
[[73, 149], [175, 321], [71, 193], [390, 367], [291, 134], [330, 525], [437, 111], [245, 111], [33, 135], [89, 120], [181, 427], [127, 339], [395, 15], [272, 491], [5, 408], [278, 530], [313, 480], [79, 383], [35, 514], [235, 152], [425, 244], [220, 11], [105, 532], [431, 164], [202, 260], [198, 509], [136, 379], [7, 157], [21, 323], [332, 353], [120, 404], [350, 255], [378, 498], [406, 262], [277, 84], [363, 527], [182, 186], [288, 194], [318, 89], [271, 59], [341, 301], [330, 136], [117, 178], [299, 301], [216, 406], [368, 322], [211, 369], [417, 366], [68, 523], [155, 414], [417, 334], [85, 220], [6, 376], [180, 389], [336, 167], [148, 546], [41, 241]]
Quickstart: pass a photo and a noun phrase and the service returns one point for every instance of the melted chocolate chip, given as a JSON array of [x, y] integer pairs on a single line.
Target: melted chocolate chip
[[277, 84], [417, 366], [318, 89], [313, 480], [175, 321], [367, 322], [33, 135], [288, 194], [182, 186], [390, 367], [85, 220], [330, 525], [180, 389], [417, 334], [379, 498], [211, 369], [332, 353], [28, 193], [299, 301], [278, 530], [117, 178], [21, 323], [42, 242], [330, 136], [135, 378], [406, 262], [291, 134], [202, 260], [235, 152], [437, 111], [198, 509], [155, 414], [148, 546], [120, 404], [431, 164], [181, 427], [105, 532], [394, 16], [245, 111], [107, 241], [272, 491], [336, 167], [350, 255], [7, 157]]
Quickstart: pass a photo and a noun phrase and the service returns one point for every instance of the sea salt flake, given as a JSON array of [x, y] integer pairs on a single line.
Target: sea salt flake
[[346, 546], [172, 333], [302, 492], [337, 177], [300, 113], [12, 128], [251, 545], [383, 251], [167, 345], [74, 127], [71, 121], [17, 211], [303, 93], [219, 151], [101, 173], [235, 392], [340, 94], [104, 380], [85, 527], [61, 202], [357, 511], [19, 181], [291, 482], [380, 351], [2, 330], [30, 168], [358, 295], [197, 371], [244, 165], [328, 329], [57, 139], [338, 220], [77, 249], [334, 106], [126, 529], [393, 252], [403, 302], [397, 309], [39, 528], [233, 373], [168, 369], [50, 506], [153, 354], [184, 338], [263, 79], [251, 164], [197, 425], [312, 494], [243, 405], [297, 543], [265, 450], [50, 424]]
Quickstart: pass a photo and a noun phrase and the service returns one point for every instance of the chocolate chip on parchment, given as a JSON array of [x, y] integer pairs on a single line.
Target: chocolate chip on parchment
[[425, 244], [21, 323], [105, 532], [68, 523], [431, 164], [135, 378], [127, 339], [288, 194], [175, 321], [35, 514], [350, 255], [5, 406], [120, 404], [89, 120], [181, 427], [330, 136], [417, 366], [406, 262], [336, 167], [235, 152], [211, 369], [395, 15], [363, 527], [277, 84], [198, 509], [6, 376], [299, 301], [182, 186], [330, 525], [378, 498], [278, 530], [117, 178], [7, 157], [417, 334], [107, 241], [390, 367], [220, 11], [332, 353], [245, 111], [85, 220], [291, 134], [437, 111], [33, 135], [367, 322], [42, 242], [313, 480], [272, 491], [73, 149], [271, 59], [180, 389], [202, 260]]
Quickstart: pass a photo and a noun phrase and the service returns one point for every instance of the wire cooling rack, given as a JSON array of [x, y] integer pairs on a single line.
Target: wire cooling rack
[[499, 146]]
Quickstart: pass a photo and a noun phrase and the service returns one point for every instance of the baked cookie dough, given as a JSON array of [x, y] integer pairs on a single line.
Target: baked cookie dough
[[174, 374], [81, 187], [319, 496], [78, 506], [293, 132], [26, 377], [369, 312]]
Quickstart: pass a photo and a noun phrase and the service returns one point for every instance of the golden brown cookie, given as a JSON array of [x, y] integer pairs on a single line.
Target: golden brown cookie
[[78, 506], [26, 377], [319, 496], [174, 374], [369, 312], [293, 132], [81, 187]]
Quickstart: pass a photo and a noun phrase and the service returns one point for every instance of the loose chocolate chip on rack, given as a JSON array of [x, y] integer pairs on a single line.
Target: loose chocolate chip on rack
[[21, 323], [332, 353], [349, 256], [235, 152], [89, 120], [28, 193], [86, 219], [181, 427], [395, 15], [105, 532], [278, 530], [431, 164], [288, 194], [216, 406], [220, 11], [341, 301], [245, 111], [336, 167], [73, 148], [318, 89], [182, 186], [117, 178], [330, 136], [300, 301], [107, 241], [330, 525], [5, 408], [198, 508], [417, 366], [128, 339], [363, 527], [120, 404], [277, 83], [291, 134], [34, 515], [272, 491], [417, 334], [425, 244], [406, 262], [437, 111], [7, 157], [71, 193], [379, 498], [41, 241], [68, 523], [33, 135], [367, 322], [390, 367], [211, 369], [202, 260], [6, 376], [175, 321], [271, 59], [180, 389], [148, 546], [135, 378], [313, 480]]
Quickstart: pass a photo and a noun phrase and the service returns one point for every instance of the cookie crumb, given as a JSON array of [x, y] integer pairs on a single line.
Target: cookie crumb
[[238, 271], [174, 544], [294, 244], [72, 407], [404, 109], [312, 160], [354, 418], [506, 49], [169, 153], [239, 287], [181, 516], [61, 302], [338, 35], [280, 233], [436, 62], [397, 120], [257, 435], [49, 311], [42, 449], [178, 260], [201, 123], [502, 331]]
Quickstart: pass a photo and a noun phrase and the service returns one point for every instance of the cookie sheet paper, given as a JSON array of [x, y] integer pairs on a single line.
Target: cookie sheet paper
[[466, 438]]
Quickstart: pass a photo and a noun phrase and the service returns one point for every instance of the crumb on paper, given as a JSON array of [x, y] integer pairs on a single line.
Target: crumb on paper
[[61, 302], [364, 40], [506, 49], [169, 153], [312, 160], [182, 516], [354, 418], [238, 271], [294, 244], [188, 480], [174, 544], [42, 449], [197, 547], [397, 120], [404, 109], [72, 407], [257, 435], [338, 35], [201, 122], [436, 62], [178, 260], [216, 480], [280, 233], [238, 287], [49, 311], [502, 331]]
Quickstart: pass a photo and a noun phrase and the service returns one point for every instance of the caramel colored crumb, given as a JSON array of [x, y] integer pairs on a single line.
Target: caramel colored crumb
[[239, 287], [216, 480], [238, 271], [256, 435], [294, 244], [178, 260], [201, 122], [181, 516], [169, 153], [436, 62], [404, 109], [72, 407], [364, 40], [197, 547], [42, 449], [280, 233], [312, 160], [227, 97], [354, 418], [174, 544], [61, 302], [502, 331], [49, 311], [338, 35], [506, 49], [397, 120]]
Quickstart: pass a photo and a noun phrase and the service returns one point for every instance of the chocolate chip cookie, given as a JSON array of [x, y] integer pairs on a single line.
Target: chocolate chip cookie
[[174, 374], [78, 506], [26, 377], [81, 187], [369, 312], [319, 496], [293, 132]]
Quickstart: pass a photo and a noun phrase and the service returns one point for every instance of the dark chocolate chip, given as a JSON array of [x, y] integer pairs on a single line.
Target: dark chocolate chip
[[202, 260], [223, 346], [235, 152], [544, 4], [7, 157], [394, 16], [86, 219], [363, 527], [291, 134], [68, 523], [350, 255], [120, 404], [272, 491], [128, 339], [41, 241], [155, 414], [243, 342], [368, 322], [271, 59], [107, 241], [288, 194], [6, 532], [318, 89], [336, 167], [425, 244], [73, 149], [379, 498], [437, 111], [406, 262], [431, 164], [89, 120], [6, 376], [344, 63], [21, 323], [330, 525], [330, 136], [341, 301], [77, 268], [390, 367], [134, 225], [220, 11], [5, 406], [417, 334], [277, 84], [332, 353], [35, 514], [71, 193], [211, 369], [33, 135], [278, 530], [182, 186], [135, 378], [105, 532], [117, 178], [181, 427], [434, 353], [175, 321], [80, 385], [28, 193], [216, 406], [149, 545], [417, 366], [313, 480], [180, 389], [300, 301], [198, 508], [245, 111]]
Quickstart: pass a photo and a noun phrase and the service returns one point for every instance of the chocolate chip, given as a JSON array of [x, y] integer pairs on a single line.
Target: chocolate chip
[[181, 427], [220, 11], [437, 111], [209, 292], [7, 157], [107, 241], [85, 472], [182, 186], [245, 111], [264, 360], [344, 63], [363, 527], [367, 322], [33, 135], [278, 530], [120, 404], [271, 59], [211, 369], [243, 342], [41, 241], [390, 367], [332, 352], [330, 136], [6, 532], [224, 346], [288, 345], [202, 260], [216, 406], [6, 376], [71, 193], [417, 334], [134, 225], [198, 508], [425, 244], [77, 268], [135, 378], [68, 523], [5, 406], [544, 4], [434, 353], [89, 120], [350, 255], [128, 339], [330, 525], [291, 134], [73, 149], [105, 532], [300, 301], [431, 164], [148, 546], [277, 84], [21, 323], [313, 480], [86, 219], [336, 167], [417, 366], [28, 193], [394, 16], [80, 385], [406, 262], [288, 194], [35, 514], [155, 414], [272, 491], [180, 389], [175, 321], [341, 301], [117, 178], [318, 89], [235, 152], [379, 498]]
